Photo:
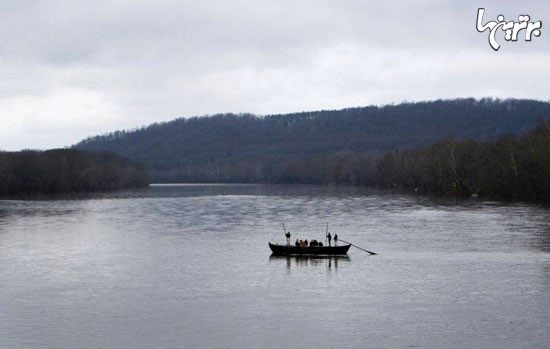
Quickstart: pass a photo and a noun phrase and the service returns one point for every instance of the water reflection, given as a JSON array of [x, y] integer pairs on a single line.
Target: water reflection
[[331, 262]]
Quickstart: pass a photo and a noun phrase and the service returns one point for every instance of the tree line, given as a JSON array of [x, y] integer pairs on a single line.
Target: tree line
[[515, 168], [66, 170]]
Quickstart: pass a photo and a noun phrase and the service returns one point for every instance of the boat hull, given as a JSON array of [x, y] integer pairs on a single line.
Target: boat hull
[[285, 250]]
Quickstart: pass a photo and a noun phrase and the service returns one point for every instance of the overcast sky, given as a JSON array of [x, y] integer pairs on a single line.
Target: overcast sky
[[71, 69]]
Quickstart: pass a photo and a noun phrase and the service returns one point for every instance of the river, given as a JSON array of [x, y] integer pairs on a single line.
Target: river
[[176, 266]]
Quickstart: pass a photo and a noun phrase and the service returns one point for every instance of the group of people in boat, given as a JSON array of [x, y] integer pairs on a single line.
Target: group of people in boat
[[305, 243], [312, 243]]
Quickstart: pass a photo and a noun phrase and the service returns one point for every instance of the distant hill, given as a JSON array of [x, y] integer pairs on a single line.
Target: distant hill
[[249, 148]]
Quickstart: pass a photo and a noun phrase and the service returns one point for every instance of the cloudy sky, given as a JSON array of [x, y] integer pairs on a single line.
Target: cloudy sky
[[71, 69]]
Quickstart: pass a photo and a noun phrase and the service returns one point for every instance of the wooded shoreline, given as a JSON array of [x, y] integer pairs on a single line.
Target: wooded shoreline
[[511, 168], [66, 171]]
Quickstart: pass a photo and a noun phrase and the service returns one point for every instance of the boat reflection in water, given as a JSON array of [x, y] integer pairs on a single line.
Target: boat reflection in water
[[315, 261]]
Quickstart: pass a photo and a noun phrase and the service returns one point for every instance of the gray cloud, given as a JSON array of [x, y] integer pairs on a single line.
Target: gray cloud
[[73, 69]]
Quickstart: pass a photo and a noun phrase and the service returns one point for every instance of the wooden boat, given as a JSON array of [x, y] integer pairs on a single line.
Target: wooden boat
[[285, 250]]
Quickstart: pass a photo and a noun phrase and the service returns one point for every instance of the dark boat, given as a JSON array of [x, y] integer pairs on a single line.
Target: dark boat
[[285, 250]]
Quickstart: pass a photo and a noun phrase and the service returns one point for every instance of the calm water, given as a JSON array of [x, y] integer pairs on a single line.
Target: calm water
[[184, 266]]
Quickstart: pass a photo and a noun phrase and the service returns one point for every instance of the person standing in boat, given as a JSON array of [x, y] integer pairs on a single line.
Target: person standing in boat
[[335, 239], [329, 237], [287, 238]]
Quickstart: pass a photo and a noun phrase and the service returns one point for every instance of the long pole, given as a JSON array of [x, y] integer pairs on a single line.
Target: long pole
[[284, 228], [362, 249], [326, 236]]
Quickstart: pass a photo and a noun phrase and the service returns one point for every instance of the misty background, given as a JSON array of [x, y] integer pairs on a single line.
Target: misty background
[[74, 69]]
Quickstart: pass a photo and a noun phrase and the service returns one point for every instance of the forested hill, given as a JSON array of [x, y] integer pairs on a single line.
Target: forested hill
[[249, 148]]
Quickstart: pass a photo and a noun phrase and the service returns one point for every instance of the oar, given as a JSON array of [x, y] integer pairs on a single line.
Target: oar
[[347, 242]]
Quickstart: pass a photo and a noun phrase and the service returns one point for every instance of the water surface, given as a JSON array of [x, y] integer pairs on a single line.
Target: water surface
[[189, 266]]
